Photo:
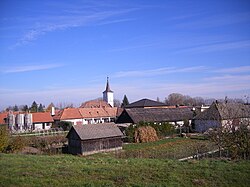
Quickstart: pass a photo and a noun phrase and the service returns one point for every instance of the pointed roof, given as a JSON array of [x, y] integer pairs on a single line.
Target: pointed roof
[[223, 111], [145, 103], [107, 86]]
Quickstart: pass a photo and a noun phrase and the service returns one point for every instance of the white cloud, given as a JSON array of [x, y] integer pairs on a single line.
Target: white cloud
[[74, 18], [222, 46], [159, 71], [19, 69], [240, 69]]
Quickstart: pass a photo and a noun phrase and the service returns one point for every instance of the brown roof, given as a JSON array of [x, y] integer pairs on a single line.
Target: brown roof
[[40, 117], [143, 103], [95, 104], [222, 111], [112, 112], [97, 131], [136, 115]]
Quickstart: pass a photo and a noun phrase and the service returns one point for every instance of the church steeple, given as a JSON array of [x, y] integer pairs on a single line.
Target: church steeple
[[107, 86], [108, 94]]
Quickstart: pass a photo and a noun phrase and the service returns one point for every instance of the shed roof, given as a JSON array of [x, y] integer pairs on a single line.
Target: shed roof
[[155, 115], [97, 131], [221, 111], [145, 103]]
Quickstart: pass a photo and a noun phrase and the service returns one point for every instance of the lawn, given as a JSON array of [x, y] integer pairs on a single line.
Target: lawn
[[103, 170]]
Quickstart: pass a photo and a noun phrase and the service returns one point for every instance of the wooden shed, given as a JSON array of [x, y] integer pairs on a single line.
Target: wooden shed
[[94, 138]]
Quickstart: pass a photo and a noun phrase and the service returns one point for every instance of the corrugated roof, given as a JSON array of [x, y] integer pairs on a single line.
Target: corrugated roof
[[145, 103], [97, 131], [155, 115]]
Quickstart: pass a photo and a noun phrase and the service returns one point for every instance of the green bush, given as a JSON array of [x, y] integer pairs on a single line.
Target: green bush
[[4, 138], [16, 144]]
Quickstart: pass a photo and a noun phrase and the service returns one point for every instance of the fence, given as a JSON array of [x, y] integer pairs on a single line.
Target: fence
[[50, 132]]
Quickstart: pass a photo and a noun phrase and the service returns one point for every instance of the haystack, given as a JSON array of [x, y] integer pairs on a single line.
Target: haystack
[[145, 134]]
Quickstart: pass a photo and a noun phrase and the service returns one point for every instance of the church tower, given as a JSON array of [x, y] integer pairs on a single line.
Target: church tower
[[108, 95]]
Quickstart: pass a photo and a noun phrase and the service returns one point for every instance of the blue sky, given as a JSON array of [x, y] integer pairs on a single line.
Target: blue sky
[[62, 51]]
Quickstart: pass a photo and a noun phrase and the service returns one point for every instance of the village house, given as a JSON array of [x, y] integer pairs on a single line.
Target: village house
[[86, 115], [90, 139], [222, 115]]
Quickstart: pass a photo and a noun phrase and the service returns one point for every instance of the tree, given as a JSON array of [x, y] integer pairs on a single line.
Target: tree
[[117, 103], [33, 107], [40, 108], [25, 108], [158, 99], [233, 136], [176, 99], [125, 101], [15, 108]]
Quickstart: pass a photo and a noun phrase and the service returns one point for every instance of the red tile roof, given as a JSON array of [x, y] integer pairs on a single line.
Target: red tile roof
[[95, 104], [68, 113], [80, 113], [41, 117], [2, 117]]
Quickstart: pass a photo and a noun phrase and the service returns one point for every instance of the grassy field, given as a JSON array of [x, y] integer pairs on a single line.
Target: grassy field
[[107, 169]]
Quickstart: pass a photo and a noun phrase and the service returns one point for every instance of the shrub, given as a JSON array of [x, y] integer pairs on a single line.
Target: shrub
[[16, 144], [4, 138], [65, 125]]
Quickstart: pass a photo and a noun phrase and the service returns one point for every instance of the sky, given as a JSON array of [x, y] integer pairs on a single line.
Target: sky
[[62, 51]]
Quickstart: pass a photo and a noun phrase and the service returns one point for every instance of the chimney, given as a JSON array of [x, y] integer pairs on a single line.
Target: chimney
[[52, 111]]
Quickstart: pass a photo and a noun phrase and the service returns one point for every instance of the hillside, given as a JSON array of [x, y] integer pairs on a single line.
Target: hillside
[[106, 170]]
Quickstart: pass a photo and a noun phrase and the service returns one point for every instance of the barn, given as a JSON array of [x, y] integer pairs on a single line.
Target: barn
[[175, 116], [94, 138]]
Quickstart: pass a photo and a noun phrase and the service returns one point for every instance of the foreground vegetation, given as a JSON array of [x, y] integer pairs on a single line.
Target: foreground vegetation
[[96, 170]]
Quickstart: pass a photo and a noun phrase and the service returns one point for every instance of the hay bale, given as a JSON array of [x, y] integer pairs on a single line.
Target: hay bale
[[145, 134]]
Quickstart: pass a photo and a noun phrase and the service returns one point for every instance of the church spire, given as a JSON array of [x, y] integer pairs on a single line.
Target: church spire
[[107, 86]]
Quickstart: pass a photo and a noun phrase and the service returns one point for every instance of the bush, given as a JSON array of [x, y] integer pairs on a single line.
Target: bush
[[4, 138], [65, 125], [16, 144]]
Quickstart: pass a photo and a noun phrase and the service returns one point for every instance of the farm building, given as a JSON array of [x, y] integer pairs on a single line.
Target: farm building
[[222, 115], [90, 139], [175, 116]]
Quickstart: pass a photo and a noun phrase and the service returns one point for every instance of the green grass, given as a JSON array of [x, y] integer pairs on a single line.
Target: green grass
[[175, 148], [99, 170]]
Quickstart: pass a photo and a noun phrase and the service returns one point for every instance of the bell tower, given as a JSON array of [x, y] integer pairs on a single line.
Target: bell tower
[[108, 95]]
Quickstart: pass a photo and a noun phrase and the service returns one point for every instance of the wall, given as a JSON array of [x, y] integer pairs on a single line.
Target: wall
[[101, 145], [204, 125]]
